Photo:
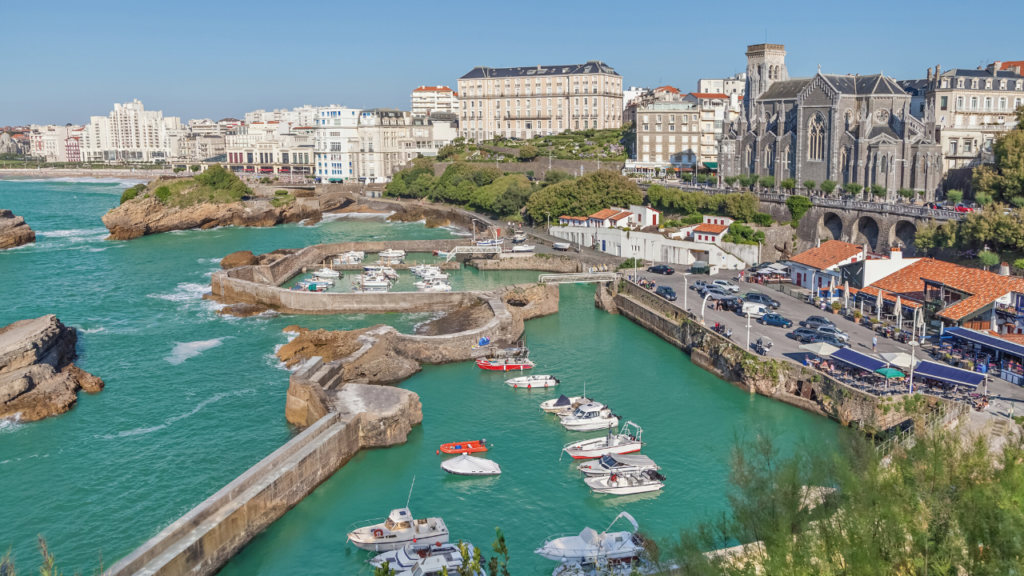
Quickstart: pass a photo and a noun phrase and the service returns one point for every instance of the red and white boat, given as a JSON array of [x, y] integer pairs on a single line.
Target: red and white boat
[[505, 364], [534, 381], [625, 442], [464, 447]]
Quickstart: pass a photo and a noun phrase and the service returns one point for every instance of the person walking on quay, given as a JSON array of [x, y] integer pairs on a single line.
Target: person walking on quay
[[874, 343]]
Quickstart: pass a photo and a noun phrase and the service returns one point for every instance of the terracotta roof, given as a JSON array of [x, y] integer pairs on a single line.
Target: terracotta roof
[[708, 95], [983, 287], [433, 89], [580, 218], [605, 214], [621, 215], [1013, 64], [827, 255], [1015, 338], [671, 89], [711, 228]]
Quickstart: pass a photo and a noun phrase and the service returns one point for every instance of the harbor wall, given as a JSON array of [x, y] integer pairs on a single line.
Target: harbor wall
[[539, 262], [779, 379]]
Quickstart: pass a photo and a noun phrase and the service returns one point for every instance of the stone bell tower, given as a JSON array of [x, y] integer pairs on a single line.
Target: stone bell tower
[[766, 64]]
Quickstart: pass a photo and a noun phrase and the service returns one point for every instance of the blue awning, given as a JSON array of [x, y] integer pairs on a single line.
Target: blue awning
[[987, 340], [948, 374], [858, 359]]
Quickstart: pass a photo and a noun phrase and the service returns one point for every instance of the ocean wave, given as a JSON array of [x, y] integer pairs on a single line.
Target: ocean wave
[[90, 330], [83, 179], [209, 260], [455, 230], [215, 398], [73, 233], [330, 217], [184, 292], [10, 424], [185, 350], [96, 249]]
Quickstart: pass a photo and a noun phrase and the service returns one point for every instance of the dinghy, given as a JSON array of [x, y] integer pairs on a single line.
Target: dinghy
[[464, 447], [590, 417], [536, 381], [621, 484], [618, 464], [392, 254], [523, 248], [467, 465], [626, 441]]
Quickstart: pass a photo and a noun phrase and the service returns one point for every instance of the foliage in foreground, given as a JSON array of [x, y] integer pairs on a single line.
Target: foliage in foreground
[[946, 506]]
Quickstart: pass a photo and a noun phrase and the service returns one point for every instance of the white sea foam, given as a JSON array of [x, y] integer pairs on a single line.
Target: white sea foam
[[330, 217], [184, 292], [87, 180], [215, 398], [10, 424], [91, 330], [185, 350], [74, 233], [96, 249]]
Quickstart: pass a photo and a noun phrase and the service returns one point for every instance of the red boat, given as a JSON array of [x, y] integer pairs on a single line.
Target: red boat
[[462, 447], [505, 364]]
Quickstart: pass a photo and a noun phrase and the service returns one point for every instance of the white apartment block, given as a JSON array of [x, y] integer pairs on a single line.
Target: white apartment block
[[131, 134], [667, 136], [304, 116], [429, 99], [385, 144], [735, 84], [533, 101], [50, 142], [270, 148], [335, 143]]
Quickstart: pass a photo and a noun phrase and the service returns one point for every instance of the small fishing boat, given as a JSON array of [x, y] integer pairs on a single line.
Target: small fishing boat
[[428, 280], [536, 381], [626, 441], [523, 248], [327, 273], [441, 253], [470, 446], [466, 465], [407, 557], [622, 484], [371, 283], [392, 253], [519, 238], [322, 280], [590, 417], [590, 546], [310, 287], [563, 403], [515, 358], [433, 286], [490, 242], [397, 531], [618, 464], [563, 246]]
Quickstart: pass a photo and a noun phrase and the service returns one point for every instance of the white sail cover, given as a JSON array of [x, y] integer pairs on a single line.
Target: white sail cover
[[466, 465]]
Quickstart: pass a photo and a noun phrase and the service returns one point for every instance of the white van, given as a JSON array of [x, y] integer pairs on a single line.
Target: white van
[[754, 309]]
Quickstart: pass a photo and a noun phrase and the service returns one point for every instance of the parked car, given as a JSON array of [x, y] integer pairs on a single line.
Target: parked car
[[727, 286], [828, 339], [815, 322], [715, 293], [803, 335], [834, 332], [666, 292], [733, 303], [698, 285], [963, 208], [754, 309], [775, 320], [761, 299], [661, 269]]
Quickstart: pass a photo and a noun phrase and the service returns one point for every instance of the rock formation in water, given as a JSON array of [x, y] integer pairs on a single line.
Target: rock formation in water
[[144, 216], [13, 231], [37, 376], [240, 258]]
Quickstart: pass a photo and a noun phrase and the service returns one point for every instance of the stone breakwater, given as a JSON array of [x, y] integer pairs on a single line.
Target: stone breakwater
[[145, 216], [14, 231], [37, 375], [780, 379]]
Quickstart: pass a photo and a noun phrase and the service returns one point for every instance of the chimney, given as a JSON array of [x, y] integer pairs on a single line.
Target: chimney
[[929, 76], [995, 66], [938, 70], [1004, 269], [895, 253], [864, 252]]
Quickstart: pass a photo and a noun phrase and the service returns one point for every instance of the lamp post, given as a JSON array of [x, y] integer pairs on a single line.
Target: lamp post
[[748, 330], [913, 359], [686, 290], [548, 214], [703, 307]]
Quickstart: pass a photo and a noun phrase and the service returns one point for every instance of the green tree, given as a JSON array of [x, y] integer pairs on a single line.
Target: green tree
[[988, 259], [810, 185], [1005, 179], [798, 206], [906, 193], [195, 168], [179, 169], [701, 178], [1019, 263], [983, 198], [853, 188], [878, 190], [954, 196], [741, 207], [445, 153], [788, 184], [498, 565], [512, 200], [762, 219], [556, 176], [528, 152], [767, 182], [828, 186], [731, 180]]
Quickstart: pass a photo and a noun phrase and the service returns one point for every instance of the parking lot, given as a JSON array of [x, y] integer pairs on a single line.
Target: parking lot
[[1001, 393]]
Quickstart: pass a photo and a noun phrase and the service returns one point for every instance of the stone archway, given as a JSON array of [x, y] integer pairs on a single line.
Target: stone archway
[[831, 224], [865, 231], [903, 233]]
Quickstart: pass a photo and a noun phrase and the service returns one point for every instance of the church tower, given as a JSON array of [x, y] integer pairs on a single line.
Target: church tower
[[766, 64]]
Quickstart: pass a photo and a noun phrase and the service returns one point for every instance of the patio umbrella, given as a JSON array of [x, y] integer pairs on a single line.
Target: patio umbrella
[[890, 372], [901, 359], [898, 311], [846, 294], [831, 286], [819, 348]]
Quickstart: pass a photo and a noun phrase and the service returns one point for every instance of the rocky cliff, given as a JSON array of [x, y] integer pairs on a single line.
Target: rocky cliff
[[13, 231], [37, 376], [150, 216]]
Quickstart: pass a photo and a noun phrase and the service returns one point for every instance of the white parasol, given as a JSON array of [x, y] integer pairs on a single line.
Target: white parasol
[[898, 311], [900, 359]]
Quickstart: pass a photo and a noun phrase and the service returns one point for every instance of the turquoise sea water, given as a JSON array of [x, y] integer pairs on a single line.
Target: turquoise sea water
[[193, 399]]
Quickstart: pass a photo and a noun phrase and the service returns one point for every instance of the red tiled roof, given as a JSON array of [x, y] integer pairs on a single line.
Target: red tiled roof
[[1015, 338], [708, 95], [433, 89], [620, 216], [580, 218], [711, 228], [671, 89], [605, 214], [1013, 64], [827, 255], [983, 287]]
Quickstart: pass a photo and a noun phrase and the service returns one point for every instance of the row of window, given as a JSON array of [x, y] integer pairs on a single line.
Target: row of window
[[976, 84], [683, 139], [671, 148], [268, 157], [979, 104]]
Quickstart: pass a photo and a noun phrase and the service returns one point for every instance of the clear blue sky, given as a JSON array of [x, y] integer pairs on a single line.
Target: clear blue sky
[[65, 61]]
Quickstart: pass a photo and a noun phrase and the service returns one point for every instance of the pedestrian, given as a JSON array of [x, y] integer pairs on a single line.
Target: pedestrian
[[874, 343]]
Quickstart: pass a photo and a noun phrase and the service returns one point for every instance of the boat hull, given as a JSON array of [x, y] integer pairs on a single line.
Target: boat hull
[[591, 453], [505, 367], [590, 426], [372, 545], [529, 382], [602, 485], [463, 447]]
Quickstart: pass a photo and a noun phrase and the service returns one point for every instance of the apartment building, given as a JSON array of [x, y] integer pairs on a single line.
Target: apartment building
[[302, 116], [270, 148], [336, 143], [385, 142], [50, 142], [971, 109], [429, 99], [735, 84], [667, 136], [715, 110], [130, 134], [534, 101]]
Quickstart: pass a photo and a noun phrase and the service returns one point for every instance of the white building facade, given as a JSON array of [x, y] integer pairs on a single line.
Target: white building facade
[[336, 143], [131, 134], [429, 99]]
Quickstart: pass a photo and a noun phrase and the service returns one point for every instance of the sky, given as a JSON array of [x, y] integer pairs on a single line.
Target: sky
[[67, 61]]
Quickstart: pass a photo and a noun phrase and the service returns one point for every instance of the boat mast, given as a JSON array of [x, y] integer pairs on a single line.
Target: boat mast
[[409, 499]]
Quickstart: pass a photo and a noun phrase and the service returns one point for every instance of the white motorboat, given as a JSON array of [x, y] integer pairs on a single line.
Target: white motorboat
[[466, 465], [632, 483], [626, 441], [435, 275], [490, 242], [433, 286], [419, 269], [322, 280], [371, 283], [398, 530], [408, 556], [327, 273], [590, 417], [392, 253], [618, 464], [523, 248], [519, 238], [351, 257], [563, 403], [536, 381], [427, 280], [590, 546], [433, 566], [563, 246]]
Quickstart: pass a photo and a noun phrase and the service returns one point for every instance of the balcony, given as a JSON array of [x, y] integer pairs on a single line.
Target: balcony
[[1009, 310]]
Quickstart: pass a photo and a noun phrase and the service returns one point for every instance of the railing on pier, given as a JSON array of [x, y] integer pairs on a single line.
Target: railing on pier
[[946, 412], [578, 277], [472, 250]]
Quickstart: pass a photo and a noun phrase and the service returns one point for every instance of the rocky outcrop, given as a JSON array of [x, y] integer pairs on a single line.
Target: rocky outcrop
[[330, 345], [13, 231], [459, 320], [240, 258], [531, 301], [242, 310], [385, 415], [150, 216], [37, 376]]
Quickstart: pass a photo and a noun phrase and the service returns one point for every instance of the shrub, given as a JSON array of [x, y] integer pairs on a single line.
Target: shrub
[[630, 262], [731, 180], [767, 181], [798, 206], [131, 193], [906, 193], [828, 186], [988, 259], [529, 174], [528, 152], [955, 196], [163, 194], [853, 188], [280, 192], [878, 190], [788, 184], [837, 305], [1019, 264], [983, 198], [762, 219], [810, 184], [692, 219]]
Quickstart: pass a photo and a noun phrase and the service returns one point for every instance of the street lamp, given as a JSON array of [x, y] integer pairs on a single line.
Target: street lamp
[[748, 330], [548, 214], [686, 290], [703, 307], [913, 360]]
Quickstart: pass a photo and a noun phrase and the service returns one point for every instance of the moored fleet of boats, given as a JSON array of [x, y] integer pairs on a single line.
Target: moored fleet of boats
[[379, 276]]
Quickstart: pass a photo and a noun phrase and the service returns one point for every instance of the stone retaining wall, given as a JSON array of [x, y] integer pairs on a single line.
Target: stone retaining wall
[[539, 262]]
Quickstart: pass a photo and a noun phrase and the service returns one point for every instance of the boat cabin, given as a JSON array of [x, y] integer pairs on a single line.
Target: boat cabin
[[592, 410], [399, 519]]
